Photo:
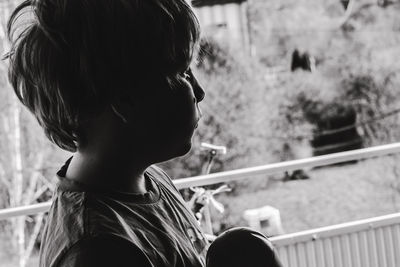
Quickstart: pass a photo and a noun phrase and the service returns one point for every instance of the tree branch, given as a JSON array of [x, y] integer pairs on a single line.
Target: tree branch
[[347, 14], [3, 177], [33, 180], [46, 182], [33, 236], [38, 193], [365, 6]]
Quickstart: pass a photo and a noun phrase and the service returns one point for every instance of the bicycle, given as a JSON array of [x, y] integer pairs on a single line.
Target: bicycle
[[202, 198]]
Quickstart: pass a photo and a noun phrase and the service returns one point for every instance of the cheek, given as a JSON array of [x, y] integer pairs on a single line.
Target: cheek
[[173, 108], [184, 103]]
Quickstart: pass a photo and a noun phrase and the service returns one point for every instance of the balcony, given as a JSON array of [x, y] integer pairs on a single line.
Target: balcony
[[373, 242]]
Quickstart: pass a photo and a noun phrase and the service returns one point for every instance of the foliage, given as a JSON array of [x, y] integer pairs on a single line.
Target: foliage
[[355, 66], [26, 161], [255, 106], [355, 69], [228, 113], [240, 111]]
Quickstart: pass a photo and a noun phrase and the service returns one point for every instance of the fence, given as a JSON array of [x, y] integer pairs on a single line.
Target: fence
[[368, 243]]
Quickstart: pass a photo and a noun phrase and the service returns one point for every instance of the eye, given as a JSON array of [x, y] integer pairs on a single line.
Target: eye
[[186, 75]]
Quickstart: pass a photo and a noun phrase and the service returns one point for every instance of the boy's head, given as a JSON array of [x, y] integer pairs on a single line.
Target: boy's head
[[73, 58]]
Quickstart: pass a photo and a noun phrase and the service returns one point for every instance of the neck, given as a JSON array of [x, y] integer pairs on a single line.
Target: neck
[[113, 157], [109, 171]]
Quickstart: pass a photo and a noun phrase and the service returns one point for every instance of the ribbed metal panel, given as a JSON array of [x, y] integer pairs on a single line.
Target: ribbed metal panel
[[375, 244]]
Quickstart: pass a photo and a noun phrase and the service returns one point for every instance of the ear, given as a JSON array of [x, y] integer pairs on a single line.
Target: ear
[[123, 107]]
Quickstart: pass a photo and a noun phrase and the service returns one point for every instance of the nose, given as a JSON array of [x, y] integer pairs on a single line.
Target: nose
[[197, 88], [199, 93]]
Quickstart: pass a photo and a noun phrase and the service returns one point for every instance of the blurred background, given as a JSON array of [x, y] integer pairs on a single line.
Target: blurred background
[[285, 79]]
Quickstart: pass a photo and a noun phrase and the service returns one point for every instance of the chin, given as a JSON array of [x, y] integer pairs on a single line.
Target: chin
[[185, 149], [176, 153]]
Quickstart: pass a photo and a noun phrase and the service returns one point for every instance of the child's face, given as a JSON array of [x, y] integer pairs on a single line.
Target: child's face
[[170, 117]]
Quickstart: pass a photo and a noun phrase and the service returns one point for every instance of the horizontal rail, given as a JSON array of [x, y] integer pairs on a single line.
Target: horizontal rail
[[366, 243], [24, 210], [288, 165], [336, 230], [243, 173]]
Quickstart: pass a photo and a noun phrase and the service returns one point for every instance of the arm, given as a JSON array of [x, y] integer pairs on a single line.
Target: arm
[[104, 251]]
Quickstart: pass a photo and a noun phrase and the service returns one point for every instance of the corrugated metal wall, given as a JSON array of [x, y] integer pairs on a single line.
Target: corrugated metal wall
[[376, 246], [228, 19]]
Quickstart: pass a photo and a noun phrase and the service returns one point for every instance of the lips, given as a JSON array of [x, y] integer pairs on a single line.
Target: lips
[[197, 123]]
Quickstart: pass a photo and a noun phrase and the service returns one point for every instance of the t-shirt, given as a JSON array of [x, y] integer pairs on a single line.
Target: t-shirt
[[87, 225]]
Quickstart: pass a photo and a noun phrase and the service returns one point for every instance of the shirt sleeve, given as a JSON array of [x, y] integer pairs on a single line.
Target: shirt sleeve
[[104, 251], [160, 173]]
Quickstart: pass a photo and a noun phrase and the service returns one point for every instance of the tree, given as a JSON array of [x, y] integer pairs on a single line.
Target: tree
[[354, 68], [354, 58], [24, 160], [233, 105]]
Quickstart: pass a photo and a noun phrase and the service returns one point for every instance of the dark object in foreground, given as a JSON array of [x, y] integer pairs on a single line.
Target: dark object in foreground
[[242, 247]]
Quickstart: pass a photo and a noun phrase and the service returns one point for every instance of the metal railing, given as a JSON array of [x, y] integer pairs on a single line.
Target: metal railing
[[243, 173], [281, 167], [374, 242]]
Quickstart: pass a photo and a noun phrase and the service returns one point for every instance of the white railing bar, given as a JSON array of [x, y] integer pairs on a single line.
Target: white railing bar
[[243, 173], [336, 230], [288, 165], [24, 210]]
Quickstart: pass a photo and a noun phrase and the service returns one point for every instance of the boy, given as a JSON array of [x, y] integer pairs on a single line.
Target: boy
[[110, 81]]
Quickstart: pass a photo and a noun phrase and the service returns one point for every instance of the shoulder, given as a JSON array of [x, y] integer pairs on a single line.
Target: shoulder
[[161, 176], [71, 216], [65, 225], [104, 250], [157, 171], [75, 220]]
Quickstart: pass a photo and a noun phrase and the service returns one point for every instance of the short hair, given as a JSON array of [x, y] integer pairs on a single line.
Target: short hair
[[74, 56]]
